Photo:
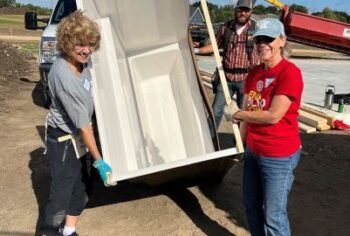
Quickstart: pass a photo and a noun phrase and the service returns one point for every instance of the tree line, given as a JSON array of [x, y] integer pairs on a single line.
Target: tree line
[[27, 7], [225, 12], [218, 13]]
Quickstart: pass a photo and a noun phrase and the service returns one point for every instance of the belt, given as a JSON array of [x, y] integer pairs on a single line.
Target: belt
[[56, 132], [77, 141], [236, 70]]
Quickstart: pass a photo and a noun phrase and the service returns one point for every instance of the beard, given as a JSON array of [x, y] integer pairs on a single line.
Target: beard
[[242, 20]]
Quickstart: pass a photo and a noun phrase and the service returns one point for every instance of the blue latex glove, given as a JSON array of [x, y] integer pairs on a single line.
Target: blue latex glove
[[105, 172]]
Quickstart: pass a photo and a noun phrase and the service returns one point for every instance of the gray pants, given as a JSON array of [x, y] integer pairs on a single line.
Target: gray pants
[[67, 192]]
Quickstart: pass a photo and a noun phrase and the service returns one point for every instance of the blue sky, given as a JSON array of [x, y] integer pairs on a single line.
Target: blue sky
[[312, 5]]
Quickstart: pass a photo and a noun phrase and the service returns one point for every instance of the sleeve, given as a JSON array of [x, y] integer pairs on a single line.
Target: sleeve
[[290, 83], [76, 106]]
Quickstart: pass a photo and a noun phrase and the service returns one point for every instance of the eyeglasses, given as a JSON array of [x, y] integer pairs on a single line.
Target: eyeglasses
[[263, 39], [84, 51]]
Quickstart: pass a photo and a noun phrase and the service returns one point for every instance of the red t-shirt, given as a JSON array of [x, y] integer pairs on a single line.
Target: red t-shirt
[[280, 139]]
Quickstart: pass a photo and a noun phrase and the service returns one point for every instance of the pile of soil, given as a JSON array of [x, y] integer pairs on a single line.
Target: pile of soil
[[14, 63], [15, 67]]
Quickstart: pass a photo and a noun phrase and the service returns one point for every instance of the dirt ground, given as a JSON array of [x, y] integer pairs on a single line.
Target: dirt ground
[[319, 203]]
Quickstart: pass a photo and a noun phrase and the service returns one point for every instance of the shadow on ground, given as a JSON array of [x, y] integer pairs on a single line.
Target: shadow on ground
[[188, 202], [125, 191], [227, 193]]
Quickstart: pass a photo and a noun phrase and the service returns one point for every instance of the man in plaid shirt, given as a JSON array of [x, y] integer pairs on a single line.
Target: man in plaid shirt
[[238, 57]]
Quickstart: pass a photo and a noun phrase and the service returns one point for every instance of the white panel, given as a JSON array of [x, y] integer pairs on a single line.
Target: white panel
[[151, 73], [149, 109], [177, 164], [116, 128]]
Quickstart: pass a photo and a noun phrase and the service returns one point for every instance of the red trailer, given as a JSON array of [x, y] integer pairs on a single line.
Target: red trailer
[[316, 31]]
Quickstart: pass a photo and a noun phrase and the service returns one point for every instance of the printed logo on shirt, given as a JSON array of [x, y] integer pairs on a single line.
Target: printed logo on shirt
[[87, 84], [268, 81], [259, 86], [255, 101]]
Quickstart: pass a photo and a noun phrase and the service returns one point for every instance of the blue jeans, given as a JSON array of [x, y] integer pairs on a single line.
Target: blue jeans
[[266, 184], [219, 100]]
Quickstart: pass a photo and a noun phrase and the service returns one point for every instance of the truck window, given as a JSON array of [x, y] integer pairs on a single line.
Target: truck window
[[62, 9]]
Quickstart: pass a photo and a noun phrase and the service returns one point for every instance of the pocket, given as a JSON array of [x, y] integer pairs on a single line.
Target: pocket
[[50, 139], [66, 146], [56, 151]]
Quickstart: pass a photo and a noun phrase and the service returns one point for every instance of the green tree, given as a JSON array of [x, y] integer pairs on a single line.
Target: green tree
[[227, 12], [259, 10], [7, 3], [214, 14], [30, 7], [299, 8], [329, 14], [272, 10], [317, 13], [342, 16], [262, 10]]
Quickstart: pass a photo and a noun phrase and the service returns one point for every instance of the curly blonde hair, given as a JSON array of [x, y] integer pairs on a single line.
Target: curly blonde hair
[[77, 30]]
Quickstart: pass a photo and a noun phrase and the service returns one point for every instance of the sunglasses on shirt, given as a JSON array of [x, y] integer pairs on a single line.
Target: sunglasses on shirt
[[263, 39]]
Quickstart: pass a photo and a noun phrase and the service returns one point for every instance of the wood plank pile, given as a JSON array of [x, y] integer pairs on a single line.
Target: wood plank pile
[[313, 118], [206, 77]]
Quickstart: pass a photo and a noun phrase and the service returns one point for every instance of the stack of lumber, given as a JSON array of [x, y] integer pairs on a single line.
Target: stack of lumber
[[206, 77], [312, 118]]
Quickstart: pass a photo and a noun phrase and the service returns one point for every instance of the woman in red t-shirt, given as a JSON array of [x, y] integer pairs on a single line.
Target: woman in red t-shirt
[[269, 126]]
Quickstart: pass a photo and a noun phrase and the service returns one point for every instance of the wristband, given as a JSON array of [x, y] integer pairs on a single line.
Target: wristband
[[196, 51]]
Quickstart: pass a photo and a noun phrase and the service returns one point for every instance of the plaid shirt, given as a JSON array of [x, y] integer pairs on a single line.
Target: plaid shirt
[[236, 56]]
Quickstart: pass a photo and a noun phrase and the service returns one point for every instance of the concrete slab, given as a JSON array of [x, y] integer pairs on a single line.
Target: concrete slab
[[318, 73]]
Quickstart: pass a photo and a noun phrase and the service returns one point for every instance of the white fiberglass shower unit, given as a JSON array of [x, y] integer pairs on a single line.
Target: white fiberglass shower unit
[[149, 109]]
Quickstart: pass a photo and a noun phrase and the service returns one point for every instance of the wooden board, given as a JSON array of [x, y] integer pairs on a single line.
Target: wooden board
[[217, 57], [206, 73], [306, 128], [311, 119], [206, 78], [329, 117], [323, 127]]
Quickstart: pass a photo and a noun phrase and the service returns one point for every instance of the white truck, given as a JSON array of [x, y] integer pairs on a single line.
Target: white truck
[[47, 47], [151, 115]]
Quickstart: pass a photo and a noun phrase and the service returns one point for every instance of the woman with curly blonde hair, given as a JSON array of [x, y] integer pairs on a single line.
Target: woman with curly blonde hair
[[70, 116]]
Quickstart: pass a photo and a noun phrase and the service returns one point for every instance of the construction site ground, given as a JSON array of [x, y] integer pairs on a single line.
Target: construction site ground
[[319, 202]]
